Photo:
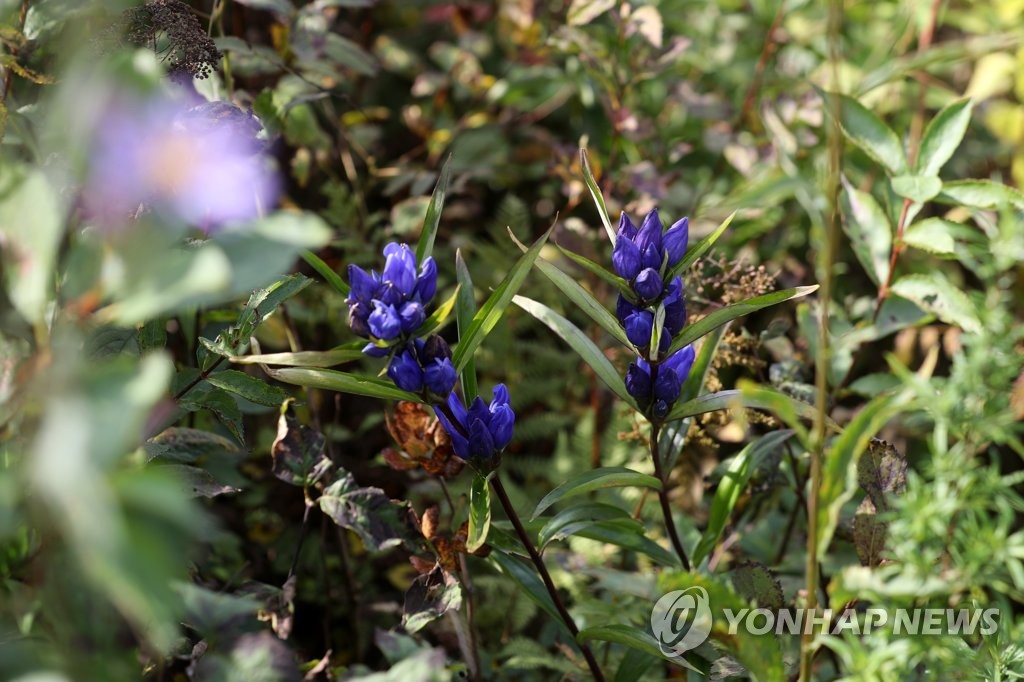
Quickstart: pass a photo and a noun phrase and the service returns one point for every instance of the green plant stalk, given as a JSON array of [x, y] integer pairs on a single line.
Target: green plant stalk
[[826, 256], [666, 508], [538, 562]]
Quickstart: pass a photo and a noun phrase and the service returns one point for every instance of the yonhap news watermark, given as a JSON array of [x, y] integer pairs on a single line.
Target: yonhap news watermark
[[682, 620]]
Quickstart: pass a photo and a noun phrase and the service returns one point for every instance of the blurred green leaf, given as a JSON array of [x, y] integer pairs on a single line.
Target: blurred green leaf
[[869, 132], [342, 382], [981, 194], [869, 231], [325, 270], [936, 294], [933, 235], [588, 174], [627, 635], [919, 188], [305, 358], [942, 137], [249, 387]]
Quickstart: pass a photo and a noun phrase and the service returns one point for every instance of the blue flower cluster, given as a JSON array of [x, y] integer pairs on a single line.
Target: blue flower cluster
[[481, 432], [425, 364], [390, 305], [644, 257]]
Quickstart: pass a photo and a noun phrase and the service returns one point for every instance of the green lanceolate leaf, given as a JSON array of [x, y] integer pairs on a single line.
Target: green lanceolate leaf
[[762, 399], [699, 371], [918, 188], [595, 479], [342, 382], [839, 469], [576, 518], [942, 136], [250, 388], [702, 247], [479, 513], [869, 231], [465, 309], [596, 195], [580, 296], [590, 266], [425, 246], [730, 488], [325, 271], [936, 294], [305, 358], [719, 317], [629, 535], [867, 131], [525, 575], [980, 194], [492, 310], [626, 635], [581, 343]]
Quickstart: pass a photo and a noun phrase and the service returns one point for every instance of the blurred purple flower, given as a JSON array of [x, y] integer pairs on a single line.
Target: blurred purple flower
[[202, 164]]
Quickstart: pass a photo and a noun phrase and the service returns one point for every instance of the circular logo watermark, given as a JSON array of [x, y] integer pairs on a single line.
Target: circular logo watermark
[[681, 621]]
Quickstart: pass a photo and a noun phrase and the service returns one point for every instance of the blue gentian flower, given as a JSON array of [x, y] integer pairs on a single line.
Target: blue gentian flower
[[644, 256], [391, 305], [657, 396], [425, 366], [480, 433]]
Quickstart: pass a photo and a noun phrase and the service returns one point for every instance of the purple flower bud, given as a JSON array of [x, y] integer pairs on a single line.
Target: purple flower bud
[[400, 267], [364, 286], [405, 371], [623, 308], [481, 443], [651, 257], [638, 381], [489, 426], [459, 442], [412, 315], [648, 284], [676, 240], [426, 283], [627, 229], [659, 409], [650, 232], [357, 314], [667, 386], [626, 258], [680, 363], [638, 328], [502, 418], [384, 321], [440, 376]]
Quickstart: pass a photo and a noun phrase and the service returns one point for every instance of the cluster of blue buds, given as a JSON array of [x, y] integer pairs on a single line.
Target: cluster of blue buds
[[644, 257], [391, 305], [425, 365], [480, 433]]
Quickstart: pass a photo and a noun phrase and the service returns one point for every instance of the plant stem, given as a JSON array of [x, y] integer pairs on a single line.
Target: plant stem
[[826, 256], [202, 377], [666, 508], [538, 562]]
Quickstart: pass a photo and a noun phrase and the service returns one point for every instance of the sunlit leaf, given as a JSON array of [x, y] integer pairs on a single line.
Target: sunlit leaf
[[595, 479]]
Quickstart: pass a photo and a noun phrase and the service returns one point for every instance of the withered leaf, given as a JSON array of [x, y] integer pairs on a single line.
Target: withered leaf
[[430, 597], [882, 471], [378, 520], [298, 450], [869, 534]]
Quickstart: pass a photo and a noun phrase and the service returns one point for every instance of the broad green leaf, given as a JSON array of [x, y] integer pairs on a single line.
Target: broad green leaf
[[439, 316], [729, 489], [305, 358], [595, 479], [581, 297], [479, 513], [494, 308], [702, 247], [220, 403], [712, 321], [425, 246], [465, 309], [627, 635], [869, 231], [759, 654], [575, 518], [252, 389], [342, 382], [839, 468], [761, 399], [980, 194], [919, 188], [933, 235], [936, 294], [634, 666], [942, 137], [325, 270], [30, 233], [870, 133], [629, 535], [581, 343], [595, 190]]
